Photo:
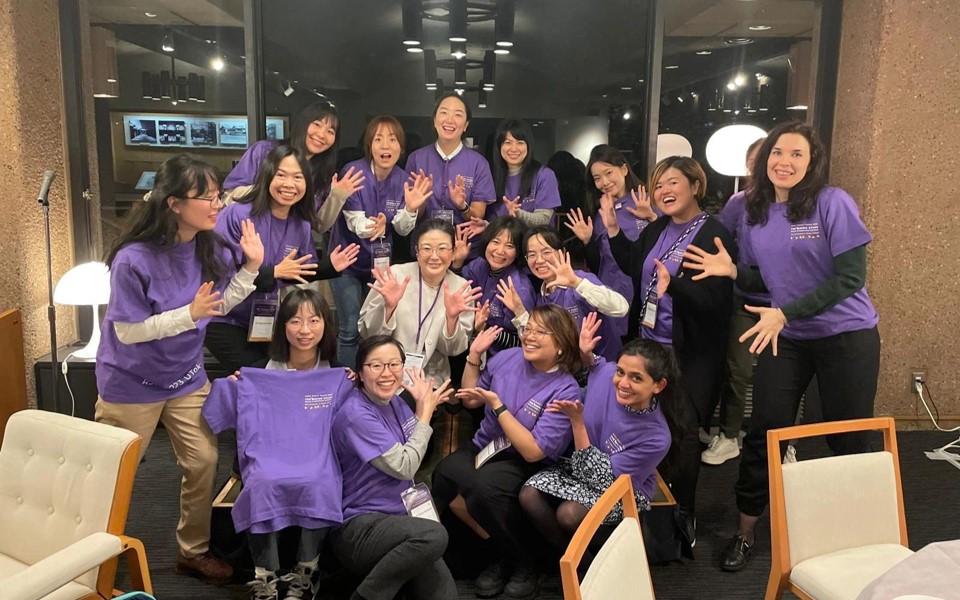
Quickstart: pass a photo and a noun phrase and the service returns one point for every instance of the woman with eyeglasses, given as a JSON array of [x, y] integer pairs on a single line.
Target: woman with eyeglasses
[[517, 437], [314, 133], [423, 305], [169, 273], [576, 291], [281, 205], [500, 259], [381, 442]]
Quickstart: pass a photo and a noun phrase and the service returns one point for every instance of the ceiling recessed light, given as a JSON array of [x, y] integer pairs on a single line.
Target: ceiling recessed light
[[505, 44], [672, 67], [458, 39], [626, 88], [501, 51], [738, 41], [111, 80], [731, 86], [414, 49], [758, 27], [798, 107], [217, 64], [626, 116], [704, 52], [150, 15], [411, 42], [740, 79]]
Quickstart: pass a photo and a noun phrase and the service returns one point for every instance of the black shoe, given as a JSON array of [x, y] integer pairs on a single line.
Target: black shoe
[[524, 584], [735, 555], [491, 581], [687, 522]]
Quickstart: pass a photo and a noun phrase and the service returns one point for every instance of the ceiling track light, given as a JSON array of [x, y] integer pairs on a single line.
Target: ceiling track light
[[460, 74], [430, 66], [412, 22], [458, 21], [503, 24], [482, 99], [489, 67], [167, 44]]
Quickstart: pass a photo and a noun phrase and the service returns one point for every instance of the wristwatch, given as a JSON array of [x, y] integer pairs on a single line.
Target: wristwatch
[[500, 410]]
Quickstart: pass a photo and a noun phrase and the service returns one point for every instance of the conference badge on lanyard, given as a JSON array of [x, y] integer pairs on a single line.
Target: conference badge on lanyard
[[490, 450], [445, 215], [419, 503], [650, 306], [381, 254], [263, 314]]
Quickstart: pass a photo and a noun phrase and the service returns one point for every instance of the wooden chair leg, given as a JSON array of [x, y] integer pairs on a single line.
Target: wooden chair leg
[[776, 585], [137, 564]]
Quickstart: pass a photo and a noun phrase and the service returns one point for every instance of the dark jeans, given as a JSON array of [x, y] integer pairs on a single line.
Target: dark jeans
[[733, 400], [229, 345], [266, 555], [846, 366], [395, 552]]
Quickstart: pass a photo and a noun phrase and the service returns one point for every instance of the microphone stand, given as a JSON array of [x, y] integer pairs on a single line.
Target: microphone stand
[[51, 310]]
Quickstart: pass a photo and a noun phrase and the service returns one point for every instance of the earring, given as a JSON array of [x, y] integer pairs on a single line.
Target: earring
[[559, 352]]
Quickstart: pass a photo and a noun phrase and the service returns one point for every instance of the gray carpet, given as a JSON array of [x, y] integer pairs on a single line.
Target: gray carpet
[[931, 494]]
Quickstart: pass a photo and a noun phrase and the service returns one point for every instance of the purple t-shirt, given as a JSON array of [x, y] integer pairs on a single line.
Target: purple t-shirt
[[578, 307], [636, 442], [283, 421], [279, 237], [526, 392], [544, 193], [667, 242], [733, 217], [609, 272], [376, 197], [478, 271], [364, 430], [467, 162], [146, 281], [245, 172], [796, 258]]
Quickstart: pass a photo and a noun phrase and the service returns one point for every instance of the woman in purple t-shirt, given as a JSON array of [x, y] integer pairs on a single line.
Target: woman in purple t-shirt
[[169, 274], [528, 189], [804, 242]]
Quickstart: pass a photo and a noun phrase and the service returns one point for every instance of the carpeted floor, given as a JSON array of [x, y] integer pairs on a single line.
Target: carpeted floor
[[931, 494]]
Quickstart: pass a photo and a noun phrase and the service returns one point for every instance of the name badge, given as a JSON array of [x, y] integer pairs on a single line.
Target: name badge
[[618, 205], [419, 503], [446, 215], [490, 450], [414, 362], [650, 314], [381, 254], [263, 313]]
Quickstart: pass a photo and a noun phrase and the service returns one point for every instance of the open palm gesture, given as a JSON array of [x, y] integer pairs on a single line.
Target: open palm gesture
[[416, 192], [460, 300], [641, 208], [582, 228], [387, 286], [458, 193], [510, 297], [709, 265], [563, 269]]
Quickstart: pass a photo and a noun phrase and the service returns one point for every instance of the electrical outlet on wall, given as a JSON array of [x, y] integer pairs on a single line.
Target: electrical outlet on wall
[[915, 378]]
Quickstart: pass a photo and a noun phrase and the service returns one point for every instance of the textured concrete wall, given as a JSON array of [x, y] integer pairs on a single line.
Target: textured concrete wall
[[31, 140], [896, 148]]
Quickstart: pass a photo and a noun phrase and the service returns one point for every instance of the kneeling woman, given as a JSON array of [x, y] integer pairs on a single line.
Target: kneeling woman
[[381, 443], [622, 428], [517, 438]]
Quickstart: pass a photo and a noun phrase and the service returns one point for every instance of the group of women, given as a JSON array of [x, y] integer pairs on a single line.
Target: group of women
[[574, 369]]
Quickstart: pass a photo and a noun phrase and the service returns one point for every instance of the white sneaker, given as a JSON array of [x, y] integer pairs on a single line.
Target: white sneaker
[[300, 583], [720, 450], [790, 456], [263, 589]]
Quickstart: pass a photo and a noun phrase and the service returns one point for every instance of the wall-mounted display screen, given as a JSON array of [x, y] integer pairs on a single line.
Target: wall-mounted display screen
[[192, 132]]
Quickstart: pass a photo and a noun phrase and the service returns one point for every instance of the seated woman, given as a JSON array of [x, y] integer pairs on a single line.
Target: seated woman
[[281, 206], [578, 292], [480, 482], [624, 426], [304, 335], [432, 322], [500, 258], [381, 443]]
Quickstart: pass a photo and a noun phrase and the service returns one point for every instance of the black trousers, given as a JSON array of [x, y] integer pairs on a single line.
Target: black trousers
[[229, 345], [846, 366]]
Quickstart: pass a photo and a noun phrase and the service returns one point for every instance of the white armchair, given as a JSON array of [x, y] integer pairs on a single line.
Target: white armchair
[[65, 487]]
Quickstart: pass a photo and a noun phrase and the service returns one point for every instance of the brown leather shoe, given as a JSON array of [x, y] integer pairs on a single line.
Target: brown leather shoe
[[205, 566]]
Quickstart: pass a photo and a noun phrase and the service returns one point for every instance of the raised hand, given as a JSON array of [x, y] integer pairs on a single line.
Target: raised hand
[[461, 246], [513, 206], [582, 228], [351, 183], [251, 246], [767, 329], [563, 269], [588, 333], [476, 225], [458, 193], [510, 297], [475, 396], [641, 208], [458, 301], [483, 315], [421, 389], [416, 192], [341, 258], [710, 265], [484, 340], [573, 409], [295, 268], [663, 278], [387, 286], [206, 303], [608, 215], [377, 226]]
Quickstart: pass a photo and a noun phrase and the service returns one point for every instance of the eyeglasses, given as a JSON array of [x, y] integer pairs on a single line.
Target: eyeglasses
[[377, 367], [218, 199], [533, 332], [297, 323], [440, 251], [545, 255]]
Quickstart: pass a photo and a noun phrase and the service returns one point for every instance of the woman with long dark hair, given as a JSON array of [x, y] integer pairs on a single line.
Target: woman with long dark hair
[[804, 242], [169, 273], [314, 133], [529, 190], [281, 205]]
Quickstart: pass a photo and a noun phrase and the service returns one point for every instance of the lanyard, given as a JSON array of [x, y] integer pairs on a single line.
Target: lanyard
[[686, 232], [420, 316]]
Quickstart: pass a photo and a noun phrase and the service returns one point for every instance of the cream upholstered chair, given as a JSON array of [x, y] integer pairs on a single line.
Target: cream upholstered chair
[[837, 523], [620, 570], [65, 488]]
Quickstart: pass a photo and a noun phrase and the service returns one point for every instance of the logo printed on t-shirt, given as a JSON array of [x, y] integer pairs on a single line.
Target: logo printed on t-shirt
[[187, 377], [409, 426], [613, 444], [392, 205], [533, 407], [805, 231], [574, 312], [467, 182], [317, 401]]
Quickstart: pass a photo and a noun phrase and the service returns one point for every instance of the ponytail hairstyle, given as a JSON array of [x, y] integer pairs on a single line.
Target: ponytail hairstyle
[[323, 165], [661, 364], [522, 132], [153, 222], [259, 194]]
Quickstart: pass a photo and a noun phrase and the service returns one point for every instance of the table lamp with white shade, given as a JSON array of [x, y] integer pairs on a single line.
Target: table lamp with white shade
[[727, 150], [85, 285]]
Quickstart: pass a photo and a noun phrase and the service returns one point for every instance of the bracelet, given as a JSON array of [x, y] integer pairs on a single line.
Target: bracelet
[[500, 410], [471, 363], [465, 209]]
